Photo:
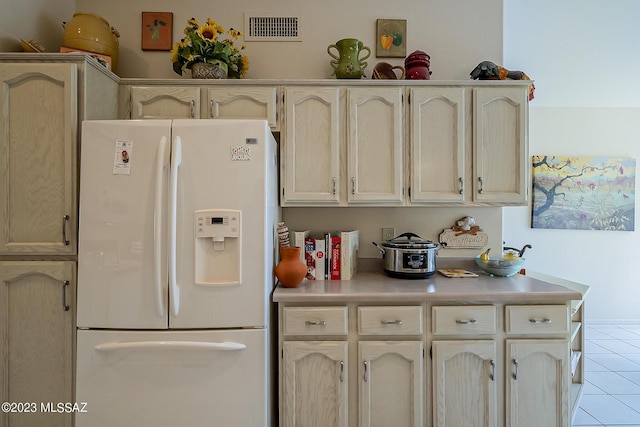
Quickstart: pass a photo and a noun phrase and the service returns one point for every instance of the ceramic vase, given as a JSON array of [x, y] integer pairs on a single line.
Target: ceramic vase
[[290, 271], [92, 33], [416, 66], [206, 70], [348, 64]]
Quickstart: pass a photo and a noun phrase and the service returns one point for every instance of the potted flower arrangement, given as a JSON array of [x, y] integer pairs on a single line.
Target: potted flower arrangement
[[201, 46]]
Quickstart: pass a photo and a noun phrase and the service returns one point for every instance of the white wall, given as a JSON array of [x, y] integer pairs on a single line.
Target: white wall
[[40, 20], [584, 60]]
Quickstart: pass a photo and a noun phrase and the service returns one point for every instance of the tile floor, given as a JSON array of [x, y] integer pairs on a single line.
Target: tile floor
[[611, 395]]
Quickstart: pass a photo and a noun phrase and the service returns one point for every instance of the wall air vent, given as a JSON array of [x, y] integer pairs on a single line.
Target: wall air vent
[[261, 27]]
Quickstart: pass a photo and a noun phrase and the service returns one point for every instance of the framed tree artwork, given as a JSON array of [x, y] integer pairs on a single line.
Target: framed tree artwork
[[583, 193], [157, 30]]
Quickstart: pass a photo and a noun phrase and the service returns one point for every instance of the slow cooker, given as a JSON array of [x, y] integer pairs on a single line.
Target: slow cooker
[[409, 256]]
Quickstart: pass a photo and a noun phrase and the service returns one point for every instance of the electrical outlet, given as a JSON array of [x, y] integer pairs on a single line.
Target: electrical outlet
[[388, 234]]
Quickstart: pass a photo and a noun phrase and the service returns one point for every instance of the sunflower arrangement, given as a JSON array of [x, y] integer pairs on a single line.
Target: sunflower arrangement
[[201, 44]]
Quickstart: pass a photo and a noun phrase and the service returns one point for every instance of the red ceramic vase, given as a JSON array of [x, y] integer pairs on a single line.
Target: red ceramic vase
[[290, 271]]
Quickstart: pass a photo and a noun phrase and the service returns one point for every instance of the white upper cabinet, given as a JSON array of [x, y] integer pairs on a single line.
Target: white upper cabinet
[[374, 145], [310, 150], [243, 102], [438, 144], [165, 102], [500, 145]]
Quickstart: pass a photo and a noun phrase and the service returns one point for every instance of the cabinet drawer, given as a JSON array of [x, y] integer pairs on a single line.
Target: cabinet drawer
[[314, 320], [465, 320], [537, 319], [390, 320]]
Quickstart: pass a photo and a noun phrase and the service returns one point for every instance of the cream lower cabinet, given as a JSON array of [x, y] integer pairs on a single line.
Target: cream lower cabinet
[[465, 383], [314, 384], [537, 383], [352, 366], [342, 146], [390, 384], [37, 330]]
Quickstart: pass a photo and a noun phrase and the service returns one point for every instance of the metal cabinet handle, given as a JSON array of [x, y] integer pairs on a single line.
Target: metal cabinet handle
[[65, 285], [211, 115], [193, 109], [480, 190], [545, 320], [65, 221], [467, 322], [391, 322], [515, 369], [366, 371], [461, 185], [353, 185], [341, 371], [492, 374], [315, 323], [333, 185]]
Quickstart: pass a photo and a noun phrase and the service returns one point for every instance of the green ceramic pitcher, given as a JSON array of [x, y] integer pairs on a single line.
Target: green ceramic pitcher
[[348, 64]]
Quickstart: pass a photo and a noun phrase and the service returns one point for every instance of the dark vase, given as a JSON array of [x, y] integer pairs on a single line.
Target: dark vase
[[290, 271]]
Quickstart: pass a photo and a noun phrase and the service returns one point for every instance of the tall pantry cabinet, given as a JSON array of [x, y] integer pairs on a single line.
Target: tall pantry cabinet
[[43, 100]]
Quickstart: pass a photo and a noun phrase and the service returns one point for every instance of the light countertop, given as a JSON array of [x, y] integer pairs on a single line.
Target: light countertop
[[378, 287]]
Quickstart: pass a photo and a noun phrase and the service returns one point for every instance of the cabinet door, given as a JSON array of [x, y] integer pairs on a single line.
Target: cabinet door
[[374, 146], [438, 145], [310, 150], [37, 338], [501, 166], [537, 377], [391, 384], [165, 102], [314, 384], [464, 383], [38, 158], [241, 102]]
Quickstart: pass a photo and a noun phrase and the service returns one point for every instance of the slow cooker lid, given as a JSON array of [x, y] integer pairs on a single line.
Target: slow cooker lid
[[409, 241]]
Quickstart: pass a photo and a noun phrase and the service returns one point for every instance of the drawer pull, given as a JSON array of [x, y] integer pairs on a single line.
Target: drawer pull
[[341, 371], [515, 369], [467, 322], [492, 375], [366, 371], [315, 323], [391, 322], [540, 320]]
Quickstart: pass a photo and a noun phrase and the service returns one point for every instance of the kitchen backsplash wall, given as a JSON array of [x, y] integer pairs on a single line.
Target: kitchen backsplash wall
[[428, 223]]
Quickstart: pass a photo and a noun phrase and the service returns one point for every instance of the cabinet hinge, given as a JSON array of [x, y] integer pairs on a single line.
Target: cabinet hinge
[[431, 352]]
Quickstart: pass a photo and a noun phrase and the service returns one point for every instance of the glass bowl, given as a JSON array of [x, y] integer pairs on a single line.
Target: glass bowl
[[502, 267]]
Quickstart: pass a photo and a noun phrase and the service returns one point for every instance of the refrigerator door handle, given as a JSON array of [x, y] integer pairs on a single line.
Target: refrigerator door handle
[[161, 161], [170, 345], [174, 290]]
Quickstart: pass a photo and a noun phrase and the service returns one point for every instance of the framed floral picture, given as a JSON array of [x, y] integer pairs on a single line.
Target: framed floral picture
[[583, 193], [391, 38], [157, 30]]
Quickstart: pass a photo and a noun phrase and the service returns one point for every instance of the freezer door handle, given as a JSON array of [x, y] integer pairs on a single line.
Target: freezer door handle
[[170, 345], [161, 162], [174, 290]]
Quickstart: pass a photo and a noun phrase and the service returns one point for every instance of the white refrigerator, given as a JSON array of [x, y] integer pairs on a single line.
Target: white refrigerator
[[177, 245]]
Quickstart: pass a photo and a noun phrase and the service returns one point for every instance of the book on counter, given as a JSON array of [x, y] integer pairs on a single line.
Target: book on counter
[[297, 238], [349, 246], [331, 257]]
